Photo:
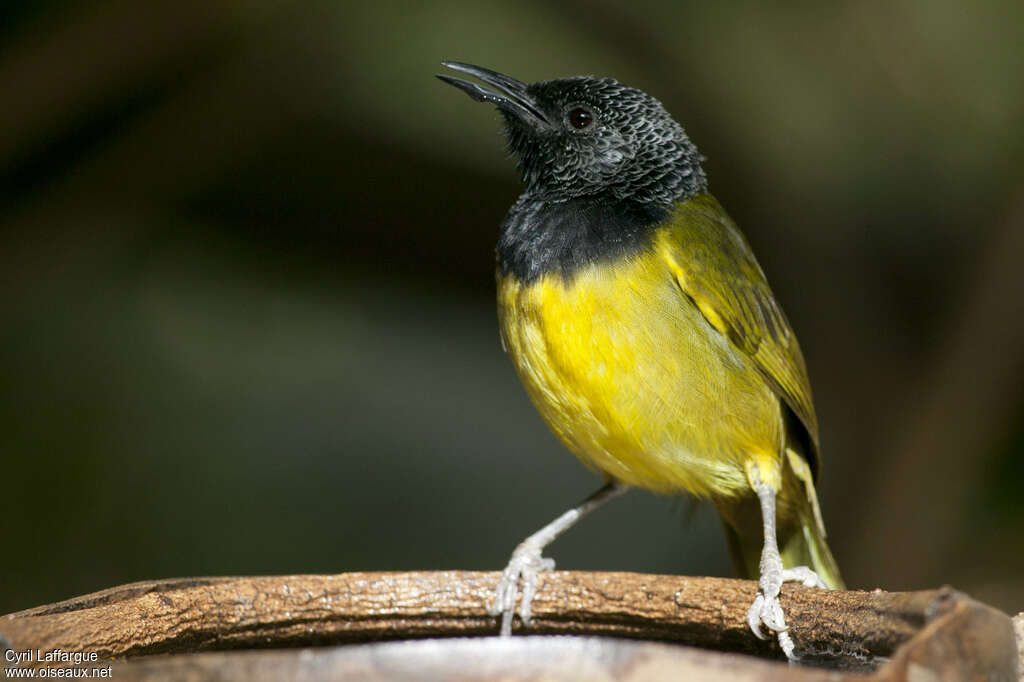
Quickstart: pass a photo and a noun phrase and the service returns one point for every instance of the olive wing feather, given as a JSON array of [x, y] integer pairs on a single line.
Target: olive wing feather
[[715, 267]]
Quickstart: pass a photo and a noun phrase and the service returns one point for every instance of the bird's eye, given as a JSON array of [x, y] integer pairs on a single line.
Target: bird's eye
[[580, 117]]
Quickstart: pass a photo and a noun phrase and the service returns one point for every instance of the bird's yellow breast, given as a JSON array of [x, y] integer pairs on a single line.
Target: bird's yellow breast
[[634, 380]]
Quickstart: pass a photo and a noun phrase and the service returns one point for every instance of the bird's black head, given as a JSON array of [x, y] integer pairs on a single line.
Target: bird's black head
[[582, 136]]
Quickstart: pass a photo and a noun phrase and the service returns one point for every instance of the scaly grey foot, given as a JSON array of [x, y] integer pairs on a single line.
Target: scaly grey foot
[[525, 565], [527, 561], [766, 609]]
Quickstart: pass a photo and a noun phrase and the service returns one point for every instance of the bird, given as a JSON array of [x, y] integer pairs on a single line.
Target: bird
[[646, 334]]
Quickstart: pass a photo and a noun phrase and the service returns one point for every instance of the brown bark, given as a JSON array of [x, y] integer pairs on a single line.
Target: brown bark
[[185, 616]]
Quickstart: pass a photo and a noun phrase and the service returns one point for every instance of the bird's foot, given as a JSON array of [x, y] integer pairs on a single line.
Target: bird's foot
[[803, 575], [526, 564], [766, 608]]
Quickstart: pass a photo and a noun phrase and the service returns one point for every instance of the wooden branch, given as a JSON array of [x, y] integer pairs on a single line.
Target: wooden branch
[[850, 629]]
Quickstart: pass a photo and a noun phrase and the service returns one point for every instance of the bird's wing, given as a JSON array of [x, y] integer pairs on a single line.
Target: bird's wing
[[715, 267]]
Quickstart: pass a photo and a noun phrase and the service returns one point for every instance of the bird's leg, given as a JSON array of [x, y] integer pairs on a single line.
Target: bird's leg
[[766, 608], [526, 562]]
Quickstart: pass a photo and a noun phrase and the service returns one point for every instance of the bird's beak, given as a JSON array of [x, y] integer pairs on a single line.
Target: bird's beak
[[511, 95]]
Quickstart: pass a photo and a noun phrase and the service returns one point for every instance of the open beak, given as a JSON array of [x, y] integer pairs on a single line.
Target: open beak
[[510, 94]]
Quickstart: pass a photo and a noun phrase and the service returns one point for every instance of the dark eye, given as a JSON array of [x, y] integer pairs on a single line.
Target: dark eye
[[581, 117]]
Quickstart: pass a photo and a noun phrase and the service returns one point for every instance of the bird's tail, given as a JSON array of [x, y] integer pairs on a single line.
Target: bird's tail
[[800, 530]]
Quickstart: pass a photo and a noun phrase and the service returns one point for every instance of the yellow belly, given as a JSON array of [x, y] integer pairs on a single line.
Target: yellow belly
[[631, 377]]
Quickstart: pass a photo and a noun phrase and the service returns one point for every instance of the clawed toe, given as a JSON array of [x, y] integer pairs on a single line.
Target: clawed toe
[[767, 610], [803, 575], [754, 617], [525, 566], [527, 561]]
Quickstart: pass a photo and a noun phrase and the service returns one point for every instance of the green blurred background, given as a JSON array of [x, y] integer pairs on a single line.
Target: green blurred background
[[246, 287]]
